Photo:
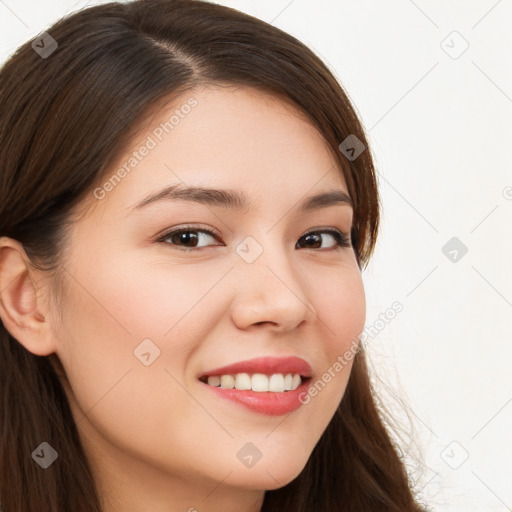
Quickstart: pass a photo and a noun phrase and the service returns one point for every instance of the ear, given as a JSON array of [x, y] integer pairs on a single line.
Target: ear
[[24, 314]]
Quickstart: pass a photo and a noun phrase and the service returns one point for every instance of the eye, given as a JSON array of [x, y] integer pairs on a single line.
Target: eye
[[187, 238], [341, 239]]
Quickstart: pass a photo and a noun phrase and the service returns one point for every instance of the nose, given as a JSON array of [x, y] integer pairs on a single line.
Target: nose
[[270, 290]]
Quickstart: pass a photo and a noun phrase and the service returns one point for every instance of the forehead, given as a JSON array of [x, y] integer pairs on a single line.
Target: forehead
[[224, 137]]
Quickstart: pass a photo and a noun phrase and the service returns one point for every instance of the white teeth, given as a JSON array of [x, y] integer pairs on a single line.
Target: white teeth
[[214, 380], [276, 383], [243, 381], [227, 382], [259, 382]]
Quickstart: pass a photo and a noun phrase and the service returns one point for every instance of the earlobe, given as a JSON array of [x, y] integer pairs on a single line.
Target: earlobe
[[20, 311]]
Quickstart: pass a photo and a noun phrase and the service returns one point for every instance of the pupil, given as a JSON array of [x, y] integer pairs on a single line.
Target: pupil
[[186, 237], [314, 236]]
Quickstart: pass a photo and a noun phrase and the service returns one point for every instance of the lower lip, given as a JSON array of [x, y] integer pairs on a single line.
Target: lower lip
[[265, 402]]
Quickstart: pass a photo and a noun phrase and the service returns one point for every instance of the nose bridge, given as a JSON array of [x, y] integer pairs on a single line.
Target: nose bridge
[[268, 287], [261, 252]]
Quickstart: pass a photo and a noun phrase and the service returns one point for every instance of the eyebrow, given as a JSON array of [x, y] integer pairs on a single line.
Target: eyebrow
[[237, 200]]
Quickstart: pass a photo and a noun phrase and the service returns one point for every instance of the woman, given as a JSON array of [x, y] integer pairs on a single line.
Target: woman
[[187, 201]]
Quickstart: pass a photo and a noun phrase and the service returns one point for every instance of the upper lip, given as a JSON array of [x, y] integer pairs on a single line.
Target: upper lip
[[268, 365]]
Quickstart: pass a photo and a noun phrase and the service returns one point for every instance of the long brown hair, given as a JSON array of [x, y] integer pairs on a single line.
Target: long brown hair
[[64, 117]]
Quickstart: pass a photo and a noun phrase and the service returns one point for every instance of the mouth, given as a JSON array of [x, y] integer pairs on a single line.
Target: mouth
[[259, 382], [266, 385], [260, 393], [266, 373]]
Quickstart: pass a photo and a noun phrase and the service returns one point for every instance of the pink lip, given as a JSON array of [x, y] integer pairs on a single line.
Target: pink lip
[[267, 365], [265, 402]]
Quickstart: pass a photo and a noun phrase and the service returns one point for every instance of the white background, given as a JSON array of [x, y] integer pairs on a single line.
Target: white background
[[439, 122]]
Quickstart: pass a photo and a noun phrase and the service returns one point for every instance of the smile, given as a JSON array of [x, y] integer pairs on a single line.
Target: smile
[[276, 383]]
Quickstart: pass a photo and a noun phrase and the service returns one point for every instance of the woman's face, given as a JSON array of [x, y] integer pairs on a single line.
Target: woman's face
[[143, 320]]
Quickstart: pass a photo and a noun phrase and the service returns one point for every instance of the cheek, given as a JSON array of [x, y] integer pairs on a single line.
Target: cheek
[[340, 304], [341, 315], [110, 319], [159, 299], [347, 314], [105, 320], [109, 315]]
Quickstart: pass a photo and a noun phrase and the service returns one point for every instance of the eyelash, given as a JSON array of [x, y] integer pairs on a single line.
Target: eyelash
[[342, 239]]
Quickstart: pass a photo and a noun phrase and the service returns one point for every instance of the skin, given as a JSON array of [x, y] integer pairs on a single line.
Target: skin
[[157, 438]]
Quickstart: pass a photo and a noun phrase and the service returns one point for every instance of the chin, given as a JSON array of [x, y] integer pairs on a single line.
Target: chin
[[276, 473]]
